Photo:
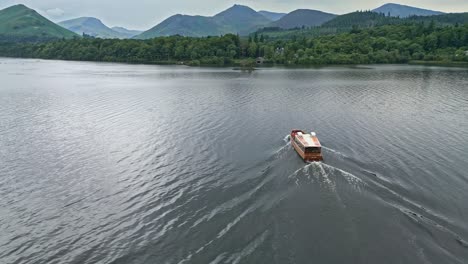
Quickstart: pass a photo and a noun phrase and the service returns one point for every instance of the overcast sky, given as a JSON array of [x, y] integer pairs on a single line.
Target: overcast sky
[[144, 14]]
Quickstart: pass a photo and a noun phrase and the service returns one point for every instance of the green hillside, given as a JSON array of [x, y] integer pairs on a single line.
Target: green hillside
[[240, 19], [403, 11], [445, 19], [361, 20], [303, 18], [338, 24], [399, 43], [190, 26], [237, 20], [19, 23]]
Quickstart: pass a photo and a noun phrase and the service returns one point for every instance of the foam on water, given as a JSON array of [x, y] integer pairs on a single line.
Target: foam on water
[[326, 175], [282, 151]]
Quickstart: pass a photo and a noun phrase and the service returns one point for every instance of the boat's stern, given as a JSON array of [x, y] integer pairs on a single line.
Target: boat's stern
[[307, 145], [313, 158]]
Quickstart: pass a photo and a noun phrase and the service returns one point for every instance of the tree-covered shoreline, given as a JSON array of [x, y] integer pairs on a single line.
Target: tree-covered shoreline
[[400, 43]]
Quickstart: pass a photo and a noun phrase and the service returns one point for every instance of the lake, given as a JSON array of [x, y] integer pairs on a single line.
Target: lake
[[116, 163]]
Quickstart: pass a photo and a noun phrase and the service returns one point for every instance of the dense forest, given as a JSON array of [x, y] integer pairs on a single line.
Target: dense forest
[[361, 20], [398, 43]]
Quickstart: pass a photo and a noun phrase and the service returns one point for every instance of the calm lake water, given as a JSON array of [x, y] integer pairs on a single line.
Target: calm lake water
[[109, 163]]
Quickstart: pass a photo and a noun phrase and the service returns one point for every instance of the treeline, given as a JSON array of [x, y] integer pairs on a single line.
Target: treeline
[[164, 50], [384, 44], [26, 39], [362, 20], [365, 19]]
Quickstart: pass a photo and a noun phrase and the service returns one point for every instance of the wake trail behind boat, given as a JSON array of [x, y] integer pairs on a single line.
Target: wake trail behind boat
[[334, 151], [326, 175]]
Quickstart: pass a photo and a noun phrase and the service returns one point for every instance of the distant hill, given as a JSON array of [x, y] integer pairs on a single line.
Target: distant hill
[[303, 17], [397, 10], [19, 23], [91, 26], [371, 19], [339, 24], [191, 26], [272, 15], [361, 19], [445, 19], [237, 19], [240, 19], [128, 33]]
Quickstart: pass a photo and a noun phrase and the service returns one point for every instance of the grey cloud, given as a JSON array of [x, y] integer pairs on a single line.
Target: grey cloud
[[55, 12]]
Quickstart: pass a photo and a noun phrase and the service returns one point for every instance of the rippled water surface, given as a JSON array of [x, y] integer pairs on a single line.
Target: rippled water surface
[[109, 163]]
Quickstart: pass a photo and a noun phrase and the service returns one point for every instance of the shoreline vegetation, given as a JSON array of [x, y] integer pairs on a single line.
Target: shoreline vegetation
[[441, 63], [412, 43]]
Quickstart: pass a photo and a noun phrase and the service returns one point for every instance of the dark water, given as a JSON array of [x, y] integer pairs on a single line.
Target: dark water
[[106, 163]]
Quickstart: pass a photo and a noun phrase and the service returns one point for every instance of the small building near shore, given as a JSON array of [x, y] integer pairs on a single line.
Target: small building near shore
[[260, 60]]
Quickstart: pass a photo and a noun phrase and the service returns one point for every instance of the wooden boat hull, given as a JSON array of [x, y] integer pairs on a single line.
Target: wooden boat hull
[[307, 157]]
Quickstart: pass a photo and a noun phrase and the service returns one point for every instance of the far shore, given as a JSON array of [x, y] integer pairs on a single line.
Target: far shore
[[238, 66], [440, 63]]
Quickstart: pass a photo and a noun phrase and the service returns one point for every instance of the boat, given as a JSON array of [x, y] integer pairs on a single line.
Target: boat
[[306, 145]]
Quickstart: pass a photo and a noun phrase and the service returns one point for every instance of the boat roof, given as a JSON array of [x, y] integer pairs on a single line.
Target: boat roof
[[308, 140]]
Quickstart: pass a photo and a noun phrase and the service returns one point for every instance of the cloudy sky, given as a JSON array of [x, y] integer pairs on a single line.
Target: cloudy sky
[[144, 14]]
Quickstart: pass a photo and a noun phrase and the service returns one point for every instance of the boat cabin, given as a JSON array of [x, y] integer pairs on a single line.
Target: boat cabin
[[307, 145]]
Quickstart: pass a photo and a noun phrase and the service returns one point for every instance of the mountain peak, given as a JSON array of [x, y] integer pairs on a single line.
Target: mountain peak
[[404, 11], [20, 23], [387, 4], [19, 5], [90, 19], [241, 19], [240, 6], [396, 5], [18, 8], [81, 21], [238, 19], [90, 26], [237, 10]]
